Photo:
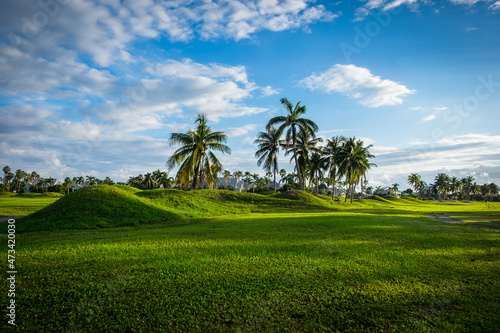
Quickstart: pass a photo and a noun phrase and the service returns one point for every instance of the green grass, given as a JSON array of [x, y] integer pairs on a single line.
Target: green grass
[[219, 261], [12, 204]]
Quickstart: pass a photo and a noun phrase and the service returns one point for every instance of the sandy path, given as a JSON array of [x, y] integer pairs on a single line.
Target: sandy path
[[444, 218]]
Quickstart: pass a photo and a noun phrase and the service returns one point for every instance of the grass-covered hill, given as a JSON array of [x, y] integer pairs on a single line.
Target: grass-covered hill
[[112, 206]]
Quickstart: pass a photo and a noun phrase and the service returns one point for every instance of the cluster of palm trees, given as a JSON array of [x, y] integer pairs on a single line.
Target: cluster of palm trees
[[151, 180], [445, 187], [340, 158], [20, 179], [14, 181]]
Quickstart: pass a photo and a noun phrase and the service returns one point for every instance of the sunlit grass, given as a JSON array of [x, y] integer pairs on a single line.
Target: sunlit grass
[[338, 271]]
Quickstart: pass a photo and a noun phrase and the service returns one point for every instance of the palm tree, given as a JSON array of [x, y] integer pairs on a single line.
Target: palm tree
[[268, 149], [317, 164], [467, 186], [256, 178], [282, 175], [196, 156], [148, 180], [354, 163], [226, 174], [493, 190], [485, 190], [20, 174], [442, 182], [293, 124], [237, 175], [6, 171], [67, 184], [416, 181], [34, 179], [454, 185], [395, 187], [305, 147]]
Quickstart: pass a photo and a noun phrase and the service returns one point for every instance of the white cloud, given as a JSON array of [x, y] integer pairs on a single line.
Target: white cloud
[[386, 5], [495, 6], [237, 131], [269, 91], [358, 83], [442, 108], [427, 118]]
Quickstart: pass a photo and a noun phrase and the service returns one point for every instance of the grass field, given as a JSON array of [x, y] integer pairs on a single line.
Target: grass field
[[249, 263], [25, 204]]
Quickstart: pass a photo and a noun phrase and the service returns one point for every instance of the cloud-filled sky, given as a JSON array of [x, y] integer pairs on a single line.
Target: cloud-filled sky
[[96, 87]]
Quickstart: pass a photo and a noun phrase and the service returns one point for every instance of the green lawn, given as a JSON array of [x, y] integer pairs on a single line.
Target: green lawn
[[374, 266], [25, 204]]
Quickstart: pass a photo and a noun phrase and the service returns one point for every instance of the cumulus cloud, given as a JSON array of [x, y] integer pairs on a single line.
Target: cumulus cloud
[[359, 83], [387, 5]]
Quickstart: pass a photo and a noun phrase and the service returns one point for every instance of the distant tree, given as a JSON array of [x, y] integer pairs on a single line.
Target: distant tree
[[442, 182], [226, 174], [6, 180], [317, 164], [467, 186], [19, 176], [67, 184], [354, 163], [494, 189], [237, 175], [485, 190], [395, 187]]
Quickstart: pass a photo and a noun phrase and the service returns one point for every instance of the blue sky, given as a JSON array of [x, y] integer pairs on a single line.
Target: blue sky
[[96, 87]]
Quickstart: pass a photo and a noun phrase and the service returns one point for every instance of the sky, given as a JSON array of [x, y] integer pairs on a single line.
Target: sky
[[97, 87]]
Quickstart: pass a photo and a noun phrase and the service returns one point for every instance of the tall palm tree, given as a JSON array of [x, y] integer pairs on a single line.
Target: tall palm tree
[[454, 185], [395, 187], [416, 181], [493, 190], [293, 124], [317, 163], [67, 183], [237, 175], [196, 156], [305, 148], [226, 174], [6, 171], [331, 152], [354, 163], [20, 174], [442, 182], [269, 144], [467, 186]]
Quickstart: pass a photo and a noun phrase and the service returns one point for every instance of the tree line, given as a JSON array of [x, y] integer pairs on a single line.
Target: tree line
[[445, 187], [18, 181], [295, 136]]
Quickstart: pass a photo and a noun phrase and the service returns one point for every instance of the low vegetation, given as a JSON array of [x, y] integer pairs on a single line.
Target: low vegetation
[[221, 261]]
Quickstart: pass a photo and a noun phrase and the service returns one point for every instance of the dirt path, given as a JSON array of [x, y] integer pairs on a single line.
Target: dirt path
[[444, 218], [6, 218]]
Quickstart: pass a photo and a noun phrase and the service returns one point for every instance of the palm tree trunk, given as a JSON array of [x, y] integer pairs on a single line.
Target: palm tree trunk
[[275, 167], [297, 167]]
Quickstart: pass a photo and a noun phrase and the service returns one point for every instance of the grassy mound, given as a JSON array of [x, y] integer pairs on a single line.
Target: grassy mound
[[96, 207], [307, 198]]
